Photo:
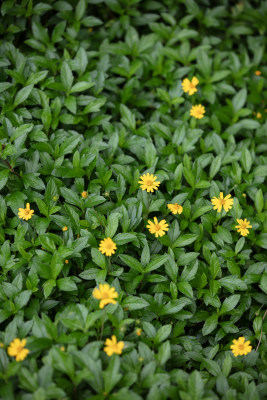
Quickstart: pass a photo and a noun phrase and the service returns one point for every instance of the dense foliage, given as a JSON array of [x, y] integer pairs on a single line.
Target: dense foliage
[[91, 99]]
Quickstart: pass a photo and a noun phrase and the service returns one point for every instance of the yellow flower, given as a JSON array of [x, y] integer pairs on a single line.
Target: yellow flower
[[240, 347], [258, 115], [175, 208], [66, 261], [197, 111], [258, 73], [112, 346], [148, 182], [55, 198], [16, 349], [107, 247], [65, 228], [2, 345], [62, 348], [84, 194], [25, 213], [190, 87], [106, 294], [158, 228], [138, 332], [244, 195], [222, 202], [243, 226]]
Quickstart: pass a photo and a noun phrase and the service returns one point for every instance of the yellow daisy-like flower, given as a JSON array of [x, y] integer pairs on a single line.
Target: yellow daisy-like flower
[[257, 73], [243, 226], [84, 194], [138, 332], [16, 349], [112, 346], [25, 213], [240, 347], [190, 87], [222, 202], [65, 228], [148, 182], [106, 294], [175, 208], [258, 115], [197, 111], [62, 348], [158, 228], [107, 247], [66, 261]]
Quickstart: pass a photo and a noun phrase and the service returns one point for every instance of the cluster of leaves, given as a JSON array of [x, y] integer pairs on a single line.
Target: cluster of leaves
[[91, 98]]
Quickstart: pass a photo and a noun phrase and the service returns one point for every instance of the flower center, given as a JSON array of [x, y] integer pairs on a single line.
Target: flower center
[[157, 227], [26, 211], [149, 183], [241, 347], [192, 86], [105, 295], [222, 201], [243, 226], [109, 246], [19, 348]]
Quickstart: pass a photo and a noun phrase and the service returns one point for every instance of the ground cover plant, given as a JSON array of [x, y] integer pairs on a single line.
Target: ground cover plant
[[133, 206]]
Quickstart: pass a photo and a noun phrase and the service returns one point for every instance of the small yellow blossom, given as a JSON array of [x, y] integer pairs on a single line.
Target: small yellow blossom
[[62, 348], [158, 228], [175, 208], [2, 345], [112, 346], [190, 87], [25, 213], [257, 73], [84, 194], [240, 347], [138, 332], [106, 294], [55, 198], [197, 111], [243, 226], [107, 247], [65, 228], [148, 182], [141, 359], [16, 349], [66, 261], [244, 195], [222, 202], [258, 115]]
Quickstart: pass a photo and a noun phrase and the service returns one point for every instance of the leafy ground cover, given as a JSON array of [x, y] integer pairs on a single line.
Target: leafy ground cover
[[133, 223]]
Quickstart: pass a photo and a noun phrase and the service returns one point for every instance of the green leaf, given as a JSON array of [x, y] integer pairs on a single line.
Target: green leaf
[[200, 211], [229, 303], [210, 324], [66, 284], [184, 240], [239, 99], [174, 306], [66, 76], [246, 160], [22, 95], [134, 303], [156, 263], [112, 224], [131, 262], [262, 240], [4, 177], [259, 201], [128, 118]]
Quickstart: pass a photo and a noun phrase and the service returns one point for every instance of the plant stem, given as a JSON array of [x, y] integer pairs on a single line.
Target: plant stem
[[102, 326]]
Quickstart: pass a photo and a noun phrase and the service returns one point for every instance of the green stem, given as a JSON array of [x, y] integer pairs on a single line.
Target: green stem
[[102, 326]]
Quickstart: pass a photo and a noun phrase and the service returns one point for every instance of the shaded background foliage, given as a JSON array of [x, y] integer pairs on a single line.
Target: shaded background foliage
[[91, 98]]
